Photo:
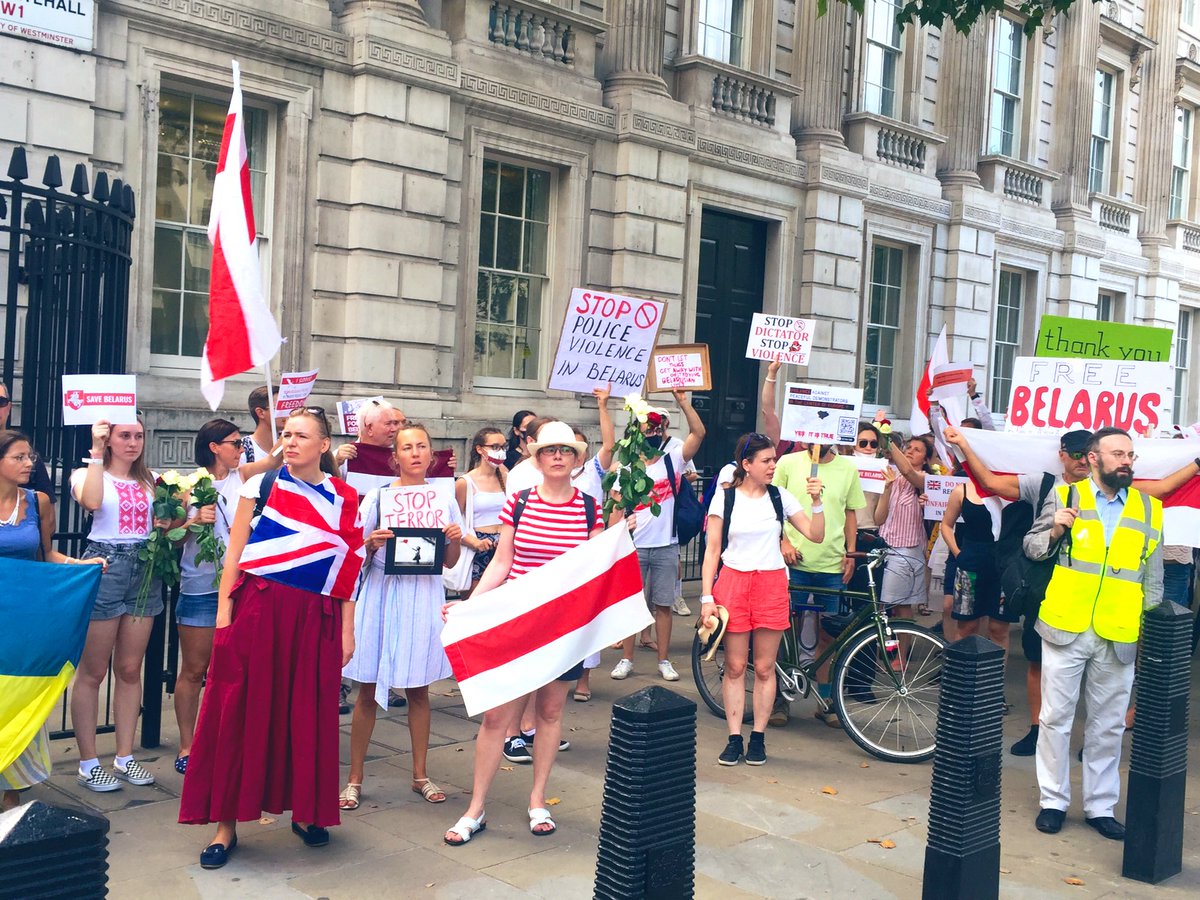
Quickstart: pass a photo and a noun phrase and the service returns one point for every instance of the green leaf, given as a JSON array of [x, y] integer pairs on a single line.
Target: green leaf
[[176, 534], [655, 508]]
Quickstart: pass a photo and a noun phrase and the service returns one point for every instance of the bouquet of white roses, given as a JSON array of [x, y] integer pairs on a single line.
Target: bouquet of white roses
[[159, 554], [209, 547], [629, 479]]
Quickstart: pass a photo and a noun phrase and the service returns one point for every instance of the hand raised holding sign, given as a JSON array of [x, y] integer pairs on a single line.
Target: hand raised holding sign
[[100, 433]]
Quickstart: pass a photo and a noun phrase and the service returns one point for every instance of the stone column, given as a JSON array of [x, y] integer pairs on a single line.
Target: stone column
[[1072, 137], [820, 54], [404, 10], [1156, 121], [634, 49], [964, 64]]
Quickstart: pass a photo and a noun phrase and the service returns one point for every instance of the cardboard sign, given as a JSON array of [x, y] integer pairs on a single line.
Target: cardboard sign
[[870, 473], [606, 339], [949, 380], [1056, 395], [1060, 336], [294, 388], [347, 414], [938, 489], [815, 413], [680, 367], [418, 506], [785, 338], [87, 399]]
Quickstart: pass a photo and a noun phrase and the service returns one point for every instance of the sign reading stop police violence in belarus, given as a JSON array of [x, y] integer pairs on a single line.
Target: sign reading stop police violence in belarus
[[1057, 395], [606, 339]]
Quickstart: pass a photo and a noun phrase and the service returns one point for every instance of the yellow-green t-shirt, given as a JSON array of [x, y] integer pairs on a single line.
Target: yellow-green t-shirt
[[841, 490]]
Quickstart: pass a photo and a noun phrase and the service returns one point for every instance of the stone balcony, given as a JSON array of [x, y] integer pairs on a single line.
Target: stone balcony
[[1184, 235], [893, 143], [1116, 215], [1017, 180], [733, 93]]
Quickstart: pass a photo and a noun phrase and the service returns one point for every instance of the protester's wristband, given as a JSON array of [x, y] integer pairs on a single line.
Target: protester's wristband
[[769, 380], [819, 508], [92, 461], [707, 598]]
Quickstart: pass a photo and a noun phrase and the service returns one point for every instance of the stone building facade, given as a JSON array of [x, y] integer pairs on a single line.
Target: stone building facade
[[432, 180]]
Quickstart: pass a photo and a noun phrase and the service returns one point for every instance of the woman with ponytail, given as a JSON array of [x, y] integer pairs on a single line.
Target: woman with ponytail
[[484, 483]]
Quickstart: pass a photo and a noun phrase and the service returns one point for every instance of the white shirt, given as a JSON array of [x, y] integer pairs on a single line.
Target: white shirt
[[199, 579], [657, 531], [259, 452], [754, 532], [125, 513]]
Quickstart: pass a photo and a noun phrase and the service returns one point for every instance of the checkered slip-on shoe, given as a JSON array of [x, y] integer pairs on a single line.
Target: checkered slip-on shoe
[[98, 780], [134, 773]]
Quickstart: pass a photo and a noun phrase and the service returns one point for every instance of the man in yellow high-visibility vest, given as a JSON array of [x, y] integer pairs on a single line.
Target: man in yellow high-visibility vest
[[1107, 537]]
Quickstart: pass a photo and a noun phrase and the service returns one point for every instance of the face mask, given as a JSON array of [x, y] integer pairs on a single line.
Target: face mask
[[495, 457], [655, 441]]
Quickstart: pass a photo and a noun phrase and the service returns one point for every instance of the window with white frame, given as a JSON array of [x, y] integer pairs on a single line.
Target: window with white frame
[[1190, 8], [883, 342], [190, 127], [882, 64], [511, 286], [1102, 133], [1181, 153], [720, 30], [1110, 307], [1007, 80], [1183, 349], [1006, 338]]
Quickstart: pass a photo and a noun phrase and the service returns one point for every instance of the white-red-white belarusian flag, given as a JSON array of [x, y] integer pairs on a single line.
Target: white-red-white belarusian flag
[[242, 333], [919, 419], [527, 632]]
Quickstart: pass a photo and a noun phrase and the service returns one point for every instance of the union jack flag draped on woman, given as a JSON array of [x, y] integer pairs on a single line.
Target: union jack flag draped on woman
[[308, 537]]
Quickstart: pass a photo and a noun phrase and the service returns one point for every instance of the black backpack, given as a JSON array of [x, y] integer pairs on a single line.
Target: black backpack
[[689, 514], [730, 496], [589, 508], [1023, 581]]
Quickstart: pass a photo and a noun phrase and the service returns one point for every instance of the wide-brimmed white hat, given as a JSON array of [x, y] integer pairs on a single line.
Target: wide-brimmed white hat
[[556, 434]]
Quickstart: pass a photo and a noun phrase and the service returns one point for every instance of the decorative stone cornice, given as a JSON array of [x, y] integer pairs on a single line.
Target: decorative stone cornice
[[406, 61], [669, 132], [890, 196], [1020, 231], [519, 97], [788, 170], [833, 175]]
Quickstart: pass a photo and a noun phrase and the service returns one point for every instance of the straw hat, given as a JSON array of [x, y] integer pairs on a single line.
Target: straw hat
[[710, 637], [556, 434]]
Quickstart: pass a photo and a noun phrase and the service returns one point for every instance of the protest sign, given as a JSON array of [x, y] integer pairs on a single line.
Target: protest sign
[[606, 339], [785, 338], [417, 506], [816, 413], [938, 489], [347, 414], [949, 380], [680, 367], [1056, 395], [870, 473], [1084, 339], [88, 398], [294, 388]]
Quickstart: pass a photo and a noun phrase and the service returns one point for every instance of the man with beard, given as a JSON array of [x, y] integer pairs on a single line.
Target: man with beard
[[1106, 537]]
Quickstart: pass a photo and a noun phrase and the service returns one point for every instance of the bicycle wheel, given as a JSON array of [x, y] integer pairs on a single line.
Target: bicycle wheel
[[708, 677], [897, 723]]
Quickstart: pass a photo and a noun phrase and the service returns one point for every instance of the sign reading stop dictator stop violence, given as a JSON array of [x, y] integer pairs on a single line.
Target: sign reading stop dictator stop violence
[[606, 339], [784, 338]]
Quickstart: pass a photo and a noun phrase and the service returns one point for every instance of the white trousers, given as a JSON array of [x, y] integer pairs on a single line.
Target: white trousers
[[1109, 682]]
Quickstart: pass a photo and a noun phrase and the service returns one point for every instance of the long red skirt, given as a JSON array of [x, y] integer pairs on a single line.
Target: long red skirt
[[267, 735]]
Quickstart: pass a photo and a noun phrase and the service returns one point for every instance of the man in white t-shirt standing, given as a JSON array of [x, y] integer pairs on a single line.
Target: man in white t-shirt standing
[[654, 536]]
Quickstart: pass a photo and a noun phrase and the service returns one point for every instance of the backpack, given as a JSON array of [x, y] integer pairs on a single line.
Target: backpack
[[589, 508], [1023, 581], [730, 496], [264, 491], [689, 517], [711, 490]]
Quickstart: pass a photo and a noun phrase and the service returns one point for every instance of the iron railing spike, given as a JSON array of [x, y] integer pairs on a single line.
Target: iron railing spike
[[18, 168], [100, 191], [52, 178], [79, 181], [130, 204], [118, 188]]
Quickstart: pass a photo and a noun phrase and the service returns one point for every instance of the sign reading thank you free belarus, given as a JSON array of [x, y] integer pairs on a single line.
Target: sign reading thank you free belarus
[[67, 23], [1062, 336]]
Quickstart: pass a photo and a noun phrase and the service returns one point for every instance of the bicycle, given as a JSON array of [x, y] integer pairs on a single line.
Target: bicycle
[[886, 672]]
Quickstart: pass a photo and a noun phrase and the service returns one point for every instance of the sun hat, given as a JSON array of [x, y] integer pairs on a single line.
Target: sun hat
[[556, 434], [710, 637]]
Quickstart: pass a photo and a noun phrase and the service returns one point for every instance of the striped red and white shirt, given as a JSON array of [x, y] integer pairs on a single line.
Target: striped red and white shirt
[[546, 530], [905, 525]]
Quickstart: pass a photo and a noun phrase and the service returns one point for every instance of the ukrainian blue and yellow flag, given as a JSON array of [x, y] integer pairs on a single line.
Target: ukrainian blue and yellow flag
[[44, 614]]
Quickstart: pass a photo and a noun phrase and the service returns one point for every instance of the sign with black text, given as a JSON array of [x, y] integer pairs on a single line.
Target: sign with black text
[[785, 338], [820, 414], [606, 339]]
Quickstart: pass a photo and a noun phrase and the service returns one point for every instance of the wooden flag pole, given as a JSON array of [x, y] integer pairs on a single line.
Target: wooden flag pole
[[815, 451]]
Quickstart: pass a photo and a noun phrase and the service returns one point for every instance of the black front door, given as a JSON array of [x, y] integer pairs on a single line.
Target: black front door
[[729, 291]]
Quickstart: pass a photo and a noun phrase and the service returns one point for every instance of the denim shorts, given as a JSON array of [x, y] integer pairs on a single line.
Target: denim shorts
[[660, 571], [197, 610], [119, 585], [798, 581]]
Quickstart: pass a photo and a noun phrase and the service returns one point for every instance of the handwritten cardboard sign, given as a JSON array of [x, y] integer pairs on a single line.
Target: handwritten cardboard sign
[[938, 489], [820, 414], [1060, 336], [88, 398], [347, 414], [785, 338], [1055, 395], [417, 506], [606, 339], [680, 367], [870, 472], [294, 388]]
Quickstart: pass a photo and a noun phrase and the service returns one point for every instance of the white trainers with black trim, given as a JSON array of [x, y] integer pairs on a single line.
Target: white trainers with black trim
[[134, 773]]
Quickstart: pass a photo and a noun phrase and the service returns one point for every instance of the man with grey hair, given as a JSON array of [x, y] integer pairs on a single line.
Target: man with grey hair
[[367, 463]]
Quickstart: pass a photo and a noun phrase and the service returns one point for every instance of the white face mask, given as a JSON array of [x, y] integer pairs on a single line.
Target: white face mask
[[495, 457]]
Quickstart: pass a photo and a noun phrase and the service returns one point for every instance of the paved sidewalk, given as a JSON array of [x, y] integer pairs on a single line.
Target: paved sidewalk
[[760, 832]]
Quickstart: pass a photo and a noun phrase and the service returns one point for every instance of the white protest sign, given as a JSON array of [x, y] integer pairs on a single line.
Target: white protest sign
[[347, 414], [294, 388], [88, 398], [785, 338], [870, 473], [1056, 395], [606, 339], [819, 414], [417, 506], [682, 367], [949, 380], [938, 489]]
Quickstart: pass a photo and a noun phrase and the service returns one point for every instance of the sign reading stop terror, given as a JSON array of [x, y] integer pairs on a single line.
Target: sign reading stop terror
[[606, 339]]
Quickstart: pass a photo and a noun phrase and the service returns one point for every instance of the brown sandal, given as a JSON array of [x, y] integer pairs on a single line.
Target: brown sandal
[[428, 790]]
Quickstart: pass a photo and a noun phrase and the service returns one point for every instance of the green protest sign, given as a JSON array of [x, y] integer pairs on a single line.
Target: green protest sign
[[1082, 339]]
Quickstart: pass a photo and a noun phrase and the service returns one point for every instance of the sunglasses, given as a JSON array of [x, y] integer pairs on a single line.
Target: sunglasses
[[236, 443], [1076, 454], [4, 401], [558, 450], [865, 444], [316, 410]]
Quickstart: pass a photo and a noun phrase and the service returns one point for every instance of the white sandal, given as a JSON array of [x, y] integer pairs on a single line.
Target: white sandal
[[466, 829], [350, 797], [541, 816]]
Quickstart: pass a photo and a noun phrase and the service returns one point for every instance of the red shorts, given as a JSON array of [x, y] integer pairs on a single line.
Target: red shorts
[[754, 599]]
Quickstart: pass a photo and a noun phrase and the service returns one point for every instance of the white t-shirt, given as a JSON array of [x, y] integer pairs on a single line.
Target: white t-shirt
[[523, 475], [754, 533], [657, 531], [260, 453], [126, 512], [198, 579], [526, 475]]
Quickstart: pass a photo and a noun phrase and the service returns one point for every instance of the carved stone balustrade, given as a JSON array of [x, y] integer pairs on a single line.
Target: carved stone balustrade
[[733, 93], [1017, 180], [892, 142], [1117, 216], [1184, 235]]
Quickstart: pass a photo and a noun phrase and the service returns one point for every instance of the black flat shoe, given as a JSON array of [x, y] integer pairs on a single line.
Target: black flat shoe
[[1108, 827], [1050, 821], [216, 855], [311, 835]]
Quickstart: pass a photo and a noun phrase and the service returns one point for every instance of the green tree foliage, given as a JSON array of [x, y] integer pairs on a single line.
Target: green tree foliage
[[963, 14]]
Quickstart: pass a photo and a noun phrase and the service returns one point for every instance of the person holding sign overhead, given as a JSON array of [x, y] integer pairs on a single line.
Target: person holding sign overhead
[[902, 524], [398, 625]]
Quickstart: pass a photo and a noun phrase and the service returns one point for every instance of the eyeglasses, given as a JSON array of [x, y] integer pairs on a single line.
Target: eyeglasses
[[558, 450], [1076, 454], [865, 444], [503, 446], [24, 457], [236, 443], [1121, 455], [4, 401]]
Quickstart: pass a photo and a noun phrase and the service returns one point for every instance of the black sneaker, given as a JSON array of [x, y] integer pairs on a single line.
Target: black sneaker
[[517, 751], [563, 744], [1026, 746], [344, 700], [732, 754], [756, 753]]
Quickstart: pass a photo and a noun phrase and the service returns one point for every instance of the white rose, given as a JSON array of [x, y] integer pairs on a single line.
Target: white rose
[[171, 477]]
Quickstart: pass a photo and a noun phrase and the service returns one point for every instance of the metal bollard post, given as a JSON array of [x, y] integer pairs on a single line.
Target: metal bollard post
[[53, 852], [1158, 759], [648, 820], [152, 678], [962, 855]]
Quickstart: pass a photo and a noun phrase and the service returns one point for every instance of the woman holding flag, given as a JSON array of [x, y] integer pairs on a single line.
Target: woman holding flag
[[267, 736]]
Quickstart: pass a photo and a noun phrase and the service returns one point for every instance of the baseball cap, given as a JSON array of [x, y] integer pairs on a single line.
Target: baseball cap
[[1075, 441]]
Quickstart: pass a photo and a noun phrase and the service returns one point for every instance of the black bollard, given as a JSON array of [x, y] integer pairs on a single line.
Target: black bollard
[[1158, 759], [962, 854], [648, 820], [53, 852]]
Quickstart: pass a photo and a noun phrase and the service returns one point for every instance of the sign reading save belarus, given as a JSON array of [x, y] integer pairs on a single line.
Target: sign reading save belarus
[[606, 339], [819, 414], [417, 506], [89, 398], [1056, 395], [1060, 336], [780, 337]]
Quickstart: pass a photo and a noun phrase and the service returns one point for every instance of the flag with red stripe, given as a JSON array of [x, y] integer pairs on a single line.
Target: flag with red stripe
[[242, 333], [527, 632], [919, 418]]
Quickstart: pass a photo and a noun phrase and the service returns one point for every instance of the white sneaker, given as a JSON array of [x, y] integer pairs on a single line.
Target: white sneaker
[[667, 670], [134, 773], [680, 607], [622, 669]]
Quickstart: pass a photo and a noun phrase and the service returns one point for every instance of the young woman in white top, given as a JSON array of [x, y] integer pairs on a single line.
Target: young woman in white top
[[484, 483], [753, 585], [117, 488]]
